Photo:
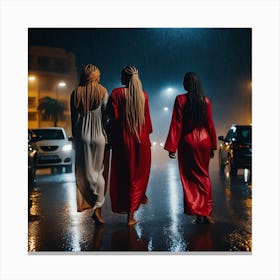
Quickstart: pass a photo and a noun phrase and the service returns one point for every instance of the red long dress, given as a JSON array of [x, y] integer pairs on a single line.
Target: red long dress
[[194, 147], [131, 160]]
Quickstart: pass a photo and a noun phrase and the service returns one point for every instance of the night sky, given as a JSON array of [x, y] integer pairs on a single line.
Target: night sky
[[222, 57]]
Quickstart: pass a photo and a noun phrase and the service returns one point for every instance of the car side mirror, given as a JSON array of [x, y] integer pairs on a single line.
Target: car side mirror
[[70, 138], [221, 138]]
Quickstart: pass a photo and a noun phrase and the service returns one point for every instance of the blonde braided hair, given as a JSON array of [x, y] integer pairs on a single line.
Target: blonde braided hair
[[135, 101], [89, 92]]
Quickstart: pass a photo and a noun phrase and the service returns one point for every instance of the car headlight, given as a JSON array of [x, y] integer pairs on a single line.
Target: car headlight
[[67, 147]]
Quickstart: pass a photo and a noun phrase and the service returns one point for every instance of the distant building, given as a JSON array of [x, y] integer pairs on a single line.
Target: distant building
[[51, 72]]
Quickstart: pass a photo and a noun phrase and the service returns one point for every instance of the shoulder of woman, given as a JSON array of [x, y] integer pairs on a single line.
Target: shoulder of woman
[[181, 97], [116, 90], [145, 94], [116, 93], [103, 88]]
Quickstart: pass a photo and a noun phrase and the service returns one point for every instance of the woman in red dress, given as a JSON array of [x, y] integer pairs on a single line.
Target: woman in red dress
[[129, 129], [192, 132]]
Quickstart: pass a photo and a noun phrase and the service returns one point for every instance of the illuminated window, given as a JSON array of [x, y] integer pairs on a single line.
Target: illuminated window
[[31, 101], [32, 116]]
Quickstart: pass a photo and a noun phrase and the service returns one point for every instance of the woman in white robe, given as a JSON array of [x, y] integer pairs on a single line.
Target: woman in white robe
[[88, 117]]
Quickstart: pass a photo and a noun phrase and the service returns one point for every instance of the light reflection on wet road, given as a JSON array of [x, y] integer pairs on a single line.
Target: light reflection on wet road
[[55, 225]]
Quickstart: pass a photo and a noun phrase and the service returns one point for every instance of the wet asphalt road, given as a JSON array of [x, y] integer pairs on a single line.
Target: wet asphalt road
[[55, 225]]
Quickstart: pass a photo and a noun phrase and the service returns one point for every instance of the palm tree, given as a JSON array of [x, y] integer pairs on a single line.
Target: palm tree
[[51, 109]]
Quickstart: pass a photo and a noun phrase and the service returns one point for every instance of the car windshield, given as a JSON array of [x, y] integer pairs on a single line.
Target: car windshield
[[244, 135], [50, 134]]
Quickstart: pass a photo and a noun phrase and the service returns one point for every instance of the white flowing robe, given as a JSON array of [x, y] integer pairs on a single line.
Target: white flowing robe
[[90, 140]]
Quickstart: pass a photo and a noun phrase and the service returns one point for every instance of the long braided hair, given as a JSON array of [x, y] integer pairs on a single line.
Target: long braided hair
[[89, 92], [135, 100], [195, 106]]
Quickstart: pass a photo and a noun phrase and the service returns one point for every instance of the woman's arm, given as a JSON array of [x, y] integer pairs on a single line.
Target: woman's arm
[[175, 129], [210, 125], [148, 121]]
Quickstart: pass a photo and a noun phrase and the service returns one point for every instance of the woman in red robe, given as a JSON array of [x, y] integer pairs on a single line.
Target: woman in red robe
[[129, 129], [192, 132]]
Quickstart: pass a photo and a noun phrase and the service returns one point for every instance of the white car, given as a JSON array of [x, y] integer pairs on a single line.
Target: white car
[[54, 149]]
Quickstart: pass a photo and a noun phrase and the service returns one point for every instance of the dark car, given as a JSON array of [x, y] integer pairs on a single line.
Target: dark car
[[32, 155], [236, 148]]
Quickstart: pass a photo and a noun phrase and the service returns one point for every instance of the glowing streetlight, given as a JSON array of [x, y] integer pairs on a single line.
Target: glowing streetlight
[[31, 78], [61, 84], [59, 89], [169, 91], [154, 143], [161, 144], [165, 109]]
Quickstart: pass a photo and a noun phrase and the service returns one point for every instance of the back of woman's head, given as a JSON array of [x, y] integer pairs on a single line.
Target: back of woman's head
[[89, 93], [89, 73], [192, 83], [135, 100], [196, 100]]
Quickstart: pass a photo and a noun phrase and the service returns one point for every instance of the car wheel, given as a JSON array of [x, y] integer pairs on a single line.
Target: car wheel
[[68, 168]]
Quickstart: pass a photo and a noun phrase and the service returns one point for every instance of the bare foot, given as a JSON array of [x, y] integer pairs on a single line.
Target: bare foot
[[97, 216], [208, 220], [132, 222], [145, 199]]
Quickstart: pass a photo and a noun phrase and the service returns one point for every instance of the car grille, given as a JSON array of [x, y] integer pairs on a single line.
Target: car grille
[[49, 159], [49, 148]]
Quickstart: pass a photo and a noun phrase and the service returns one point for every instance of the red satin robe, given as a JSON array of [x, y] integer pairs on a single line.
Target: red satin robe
[[194, 146], [131, 161]]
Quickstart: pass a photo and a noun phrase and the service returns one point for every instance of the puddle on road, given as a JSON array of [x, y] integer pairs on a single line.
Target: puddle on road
[[34, 206], [239, 240], [46, 175], [162, 225]]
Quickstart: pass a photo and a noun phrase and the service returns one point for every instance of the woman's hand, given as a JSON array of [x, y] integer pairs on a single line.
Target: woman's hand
[[172, 155]]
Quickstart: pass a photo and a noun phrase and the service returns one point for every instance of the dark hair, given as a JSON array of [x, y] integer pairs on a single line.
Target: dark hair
[[196, 106]]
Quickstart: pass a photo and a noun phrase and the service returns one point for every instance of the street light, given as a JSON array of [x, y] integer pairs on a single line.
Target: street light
[[165, 109], [31, 78], [170, 91], [61, 84]]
